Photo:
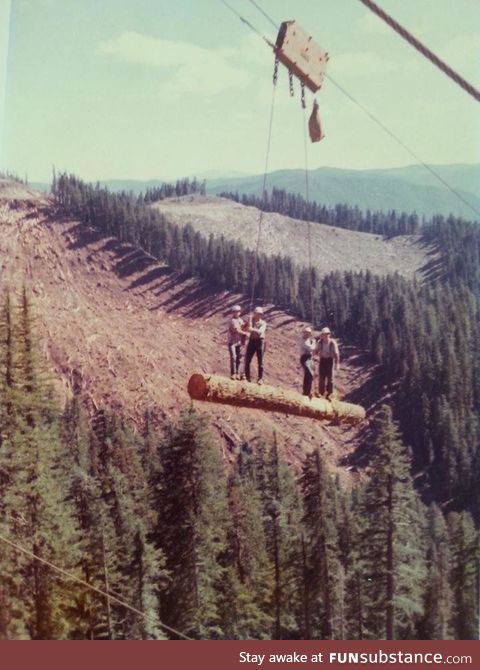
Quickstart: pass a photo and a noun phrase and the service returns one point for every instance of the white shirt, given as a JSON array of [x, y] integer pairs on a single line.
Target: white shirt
[[259, 329], [234, 326], [327, 348], [307, 345]]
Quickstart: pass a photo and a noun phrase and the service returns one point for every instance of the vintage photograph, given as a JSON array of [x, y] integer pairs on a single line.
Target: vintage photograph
[[239, 320]]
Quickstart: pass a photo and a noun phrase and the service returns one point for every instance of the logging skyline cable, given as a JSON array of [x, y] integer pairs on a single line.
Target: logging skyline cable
[[78, 580], [264, 192], [366, 111], [309, 223], [247, 23], [422, 49]]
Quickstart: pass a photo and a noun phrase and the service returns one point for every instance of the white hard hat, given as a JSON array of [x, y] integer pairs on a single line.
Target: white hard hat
[[258, 310], [325, 331], [236, 308]]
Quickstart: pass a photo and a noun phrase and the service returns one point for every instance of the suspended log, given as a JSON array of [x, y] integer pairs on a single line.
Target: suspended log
[[215, 388]]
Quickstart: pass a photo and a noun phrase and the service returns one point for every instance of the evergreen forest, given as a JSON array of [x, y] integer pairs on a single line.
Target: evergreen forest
[[188, 547]]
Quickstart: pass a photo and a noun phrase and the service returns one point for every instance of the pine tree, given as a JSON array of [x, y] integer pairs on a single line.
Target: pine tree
[[282, 526], [248, 586], [437, 623], [192, 528], [464, 540], [324, 572], [34, 509], [392, 543]]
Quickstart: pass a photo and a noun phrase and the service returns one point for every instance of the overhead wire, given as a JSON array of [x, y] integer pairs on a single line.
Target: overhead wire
[[422, 48], [376, 120], [269, 18], [399, 141], [309, 223], [78, 580], [264, 197], [247, 22]]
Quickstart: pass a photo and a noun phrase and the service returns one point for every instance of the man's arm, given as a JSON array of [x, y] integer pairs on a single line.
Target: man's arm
[[260, 329], [336, 356]]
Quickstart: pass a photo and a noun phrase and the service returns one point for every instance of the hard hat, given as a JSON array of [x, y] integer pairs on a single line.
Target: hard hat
[[325, 331], [236, 308], [258, 310]]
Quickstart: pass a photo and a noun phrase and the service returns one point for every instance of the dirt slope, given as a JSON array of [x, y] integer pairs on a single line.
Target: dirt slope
[[130, 333], [332, 248]]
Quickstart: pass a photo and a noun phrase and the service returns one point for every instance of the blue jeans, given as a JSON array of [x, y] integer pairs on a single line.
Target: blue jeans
[[235, 351], [306, 361]]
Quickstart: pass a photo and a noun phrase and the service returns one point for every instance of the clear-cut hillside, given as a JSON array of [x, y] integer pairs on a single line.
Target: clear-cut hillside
[[129, 332], [332, 248]]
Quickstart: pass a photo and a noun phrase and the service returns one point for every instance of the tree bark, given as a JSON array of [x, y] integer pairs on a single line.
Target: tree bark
[[215, 388]]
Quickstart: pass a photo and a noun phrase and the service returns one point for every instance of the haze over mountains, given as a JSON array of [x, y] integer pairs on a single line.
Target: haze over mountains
[[411, 188], [408, 189]]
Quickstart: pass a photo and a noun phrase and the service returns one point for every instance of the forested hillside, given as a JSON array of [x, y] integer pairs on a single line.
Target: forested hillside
[[157, 521], [388, 223], [257, 549], [423, 335]]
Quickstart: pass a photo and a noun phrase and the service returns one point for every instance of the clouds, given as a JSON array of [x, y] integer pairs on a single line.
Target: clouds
[[361, 64], [186, 67]]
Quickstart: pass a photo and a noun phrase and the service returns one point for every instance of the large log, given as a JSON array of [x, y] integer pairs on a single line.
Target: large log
[[214, 388]]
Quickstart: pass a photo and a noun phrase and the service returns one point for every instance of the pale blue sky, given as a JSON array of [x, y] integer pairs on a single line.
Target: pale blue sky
[[158, 89]]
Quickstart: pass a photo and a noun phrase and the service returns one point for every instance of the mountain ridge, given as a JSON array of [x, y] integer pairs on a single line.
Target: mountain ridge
[[410, 188]]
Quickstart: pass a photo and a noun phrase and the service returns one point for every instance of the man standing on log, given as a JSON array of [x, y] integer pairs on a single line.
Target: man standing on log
[[329, 360], [308, 346], [256, 343], [236, 339]]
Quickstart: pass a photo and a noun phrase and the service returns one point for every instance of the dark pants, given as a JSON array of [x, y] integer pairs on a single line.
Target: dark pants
[[326, 375], [235, 351], [306, 361], [254, 347]]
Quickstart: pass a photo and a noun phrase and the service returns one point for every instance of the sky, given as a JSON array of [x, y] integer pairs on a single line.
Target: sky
[[145, 89]]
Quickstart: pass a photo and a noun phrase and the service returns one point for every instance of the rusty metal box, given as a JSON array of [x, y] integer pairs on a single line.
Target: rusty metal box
[[301, 55]]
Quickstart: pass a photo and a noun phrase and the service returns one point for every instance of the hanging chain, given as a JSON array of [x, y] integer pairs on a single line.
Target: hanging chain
[[304, 104], [290, 84], [275, 72]]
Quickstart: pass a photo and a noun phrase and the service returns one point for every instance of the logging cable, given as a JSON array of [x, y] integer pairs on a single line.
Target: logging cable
[[78, 580], [366, 111]]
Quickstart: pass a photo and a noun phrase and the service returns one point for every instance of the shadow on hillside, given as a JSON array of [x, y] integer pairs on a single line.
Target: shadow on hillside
[[84, 236], [176, 291], [128, 260], [371, 394], [433, 269], [196, 299]]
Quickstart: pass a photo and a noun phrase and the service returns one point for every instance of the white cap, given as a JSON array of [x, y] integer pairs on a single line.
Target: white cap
[[236, 308], [258, 310], [325, 331], [307, 329]]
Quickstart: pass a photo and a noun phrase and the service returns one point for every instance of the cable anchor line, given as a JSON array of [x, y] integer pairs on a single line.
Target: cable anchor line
[[422, 48], [107, 594]]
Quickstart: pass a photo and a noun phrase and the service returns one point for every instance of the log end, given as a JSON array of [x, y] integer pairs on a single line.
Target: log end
[[197, 387]]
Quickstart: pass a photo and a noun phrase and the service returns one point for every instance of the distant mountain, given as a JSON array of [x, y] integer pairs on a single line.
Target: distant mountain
[[404, 189], [411, 188]]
